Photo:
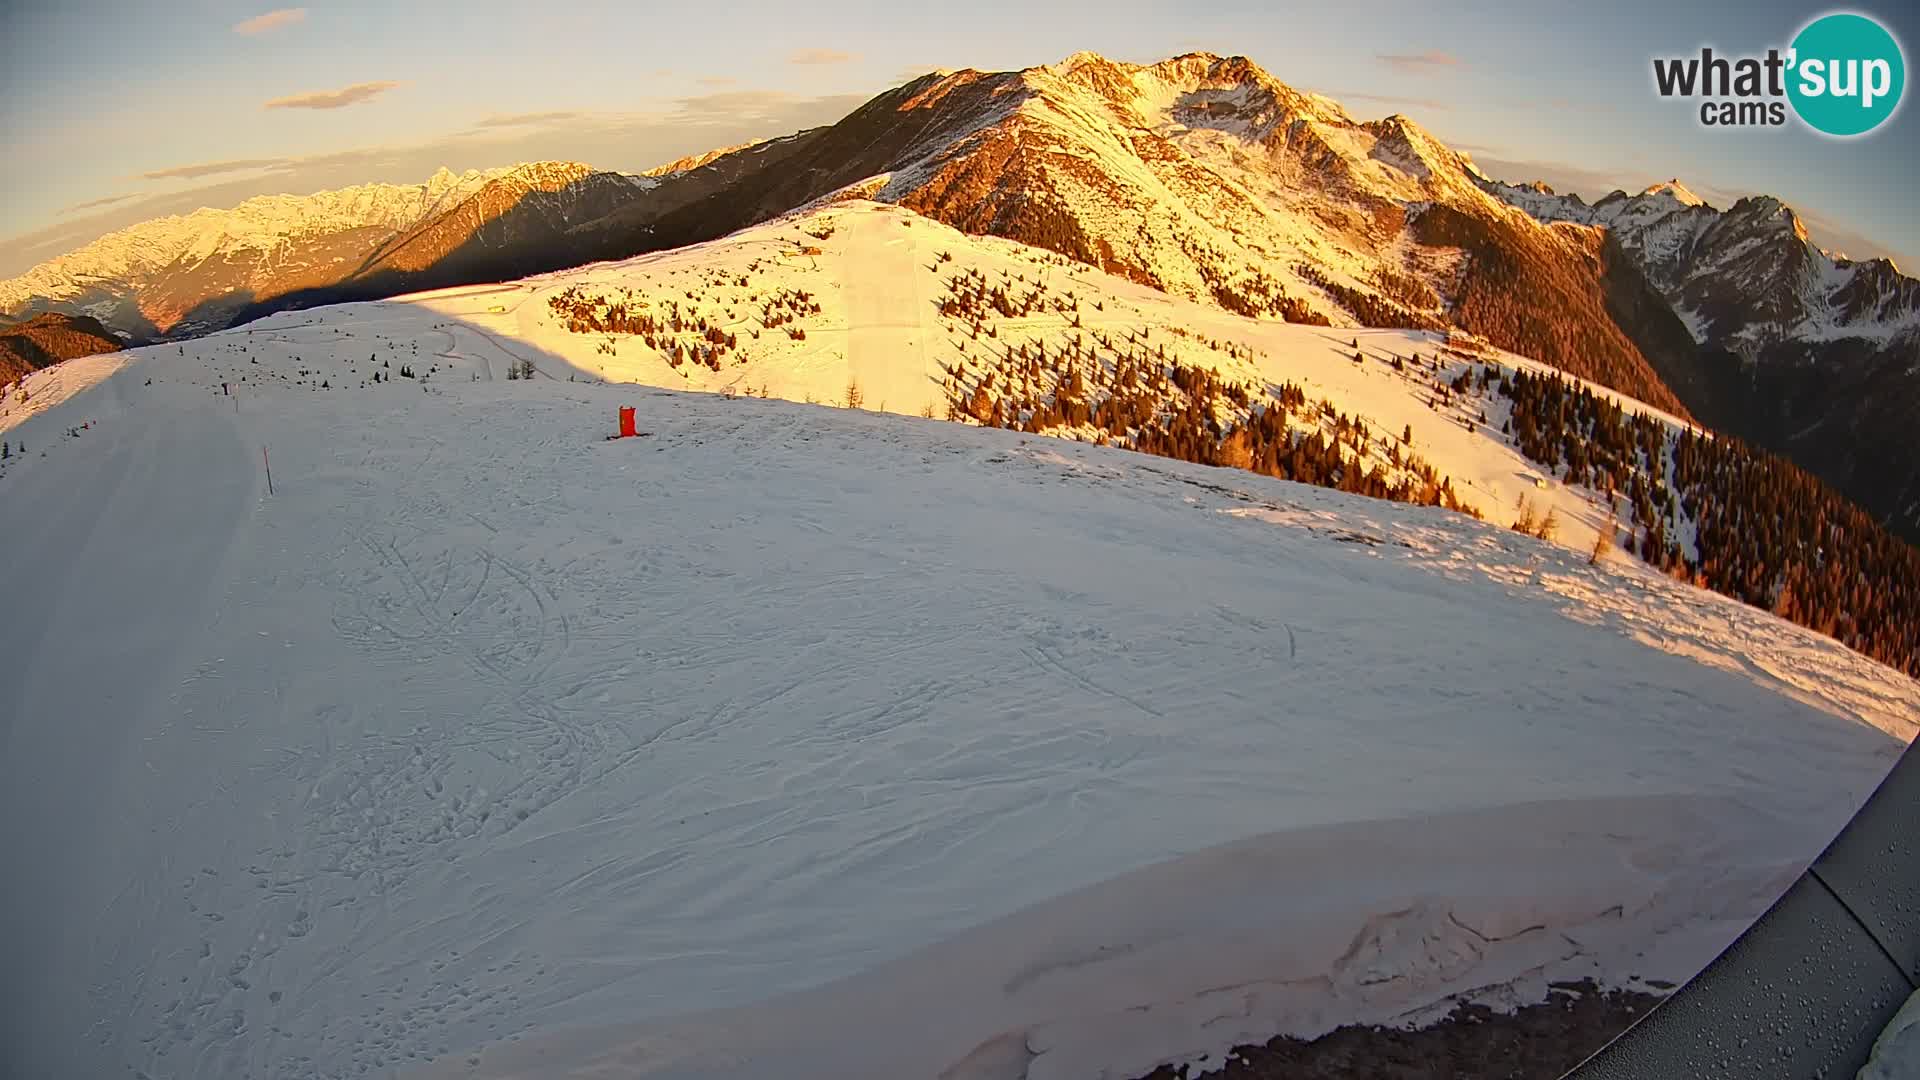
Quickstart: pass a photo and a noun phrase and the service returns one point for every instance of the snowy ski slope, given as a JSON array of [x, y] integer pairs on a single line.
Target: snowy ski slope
[[879, 273], [788, 740]]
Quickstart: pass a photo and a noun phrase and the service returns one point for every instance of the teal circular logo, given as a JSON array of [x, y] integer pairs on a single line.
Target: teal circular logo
[[1847, 76]]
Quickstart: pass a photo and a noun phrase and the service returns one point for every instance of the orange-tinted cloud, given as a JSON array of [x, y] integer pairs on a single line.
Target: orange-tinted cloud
[[1392, 99], [95, 204], [213, 168], [732, 105], [333, 99], [526, 119], [272, 20]]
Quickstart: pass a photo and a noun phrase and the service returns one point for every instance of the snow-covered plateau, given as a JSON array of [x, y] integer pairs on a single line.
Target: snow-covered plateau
[[792, 740]]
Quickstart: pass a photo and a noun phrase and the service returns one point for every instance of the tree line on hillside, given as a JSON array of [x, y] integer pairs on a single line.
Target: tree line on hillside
[[687, 333], [1127, 389], [1763, 531], [1244, 289], [1371, 310], [1543, 295]]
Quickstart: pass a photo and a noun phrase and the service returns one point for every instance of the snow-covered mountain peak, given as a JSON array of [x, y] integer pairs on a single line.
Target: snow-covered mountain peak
[[160, 275], [1677, 191], [1768, 211], [1198, 90], [1234, 116], [547, 172], [1746, 278], [263, 220], [1086, 65], [1206, 177], [1412, 149]]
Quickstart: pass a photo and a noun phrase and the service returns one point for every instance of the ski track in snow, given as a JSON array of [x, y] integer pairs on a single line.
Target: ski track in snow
[[483, 724]]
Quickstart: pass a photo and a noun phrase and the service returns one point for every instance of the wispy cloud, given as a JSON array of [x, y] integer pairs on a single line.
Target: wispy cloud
[[717, 80], [363, 156], [95, 204], [732, 105], [821, 56], [272, 20], [362, 159], [333, 99], [1716, 195], [213, 168], [1392, 99], [530, 119], [1420, 63]]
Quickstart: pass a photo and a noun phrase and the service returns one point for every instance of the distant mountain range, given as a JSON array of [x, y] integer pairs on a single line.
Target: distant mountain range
[[1807, 353], [1746, 278], [1202, 176], [189, 274]]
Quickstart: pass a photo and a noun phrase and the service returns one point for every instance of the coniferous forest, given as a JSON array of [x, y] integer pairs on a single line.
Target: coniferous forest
[[1707, 509], [1130, 389], [1738, 520]]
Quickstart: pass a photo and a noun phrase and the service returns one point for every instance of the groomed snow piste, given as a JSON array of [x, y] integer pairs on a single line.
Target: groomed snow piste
[[788, 740]]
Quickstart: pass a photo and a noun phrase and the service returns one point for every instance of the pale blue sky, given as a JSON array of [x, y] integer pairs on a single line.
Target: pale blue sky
[[139, 108]]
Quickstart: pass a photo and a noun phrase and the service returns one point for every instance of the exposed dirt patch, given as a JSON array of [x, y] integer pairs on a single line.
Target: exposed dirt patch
[[1538, 1042]]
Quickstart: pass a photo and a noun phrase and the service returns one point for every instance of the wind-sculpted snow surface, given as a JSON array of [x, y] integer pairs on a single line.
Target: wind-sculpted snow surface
[[1283, 932], [483, 736]]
